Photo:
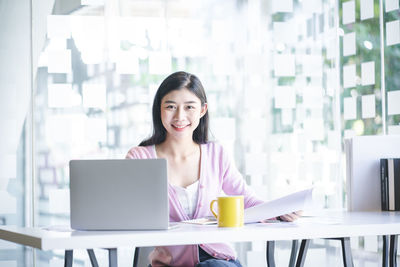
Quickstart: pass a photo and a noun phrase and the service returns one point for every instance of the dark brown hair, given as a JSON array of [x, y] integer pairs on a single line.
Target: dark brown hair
[[178, 81]]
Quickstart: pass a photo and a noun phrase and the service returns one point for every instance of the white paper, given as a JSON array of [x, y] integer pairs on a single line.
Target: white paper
[[312, 65], [368, 106], [284, 65], [282, 6], [368, 73], [127, 63], [391, 5], [60, 95], [285, 97], [349, 76], [159, 63], [59, 61], [314, 128], [312, 6], [366, 9], [313, 97], [349, 44], [349, 12], [392, 32], [301, 200], [393, 98], [65, 129], [284, 32], [58, 26], [349, 108], [94, 95]]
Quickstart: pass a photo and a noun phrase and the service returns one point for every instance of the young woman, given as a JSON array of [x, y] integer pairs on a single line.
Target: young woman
[[198, 171]]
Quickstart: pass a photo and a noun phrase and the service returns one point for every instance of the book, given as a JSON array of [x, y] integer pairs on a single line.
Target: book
[[384, 185], [203, 221], [390, 184], [396, 172]]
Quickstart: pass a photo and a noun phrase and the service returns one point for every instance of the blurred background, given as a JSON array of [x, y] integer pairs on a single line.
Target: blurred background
[[287, 81]]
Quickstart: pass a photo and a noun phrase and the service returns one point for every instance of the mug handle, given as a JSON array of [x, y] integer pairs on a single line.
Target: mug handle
[[211, 208]]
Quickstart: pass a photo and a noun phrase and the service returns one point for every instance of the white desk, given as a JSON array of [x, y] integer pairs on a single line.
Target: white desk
[[328, 225]]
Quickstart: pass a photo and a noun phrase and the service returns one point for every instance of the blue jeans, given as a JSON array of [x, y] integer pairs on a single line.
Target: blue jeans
[[208, 261]]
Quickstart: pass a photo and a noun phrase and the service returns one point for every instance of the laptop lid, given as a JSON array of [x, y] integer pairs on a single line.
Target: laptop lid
[[119, 194]]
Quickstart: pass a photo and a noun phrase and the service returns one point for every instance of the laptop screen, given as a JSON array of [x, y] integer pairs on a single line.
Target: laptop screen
[[122, 194]]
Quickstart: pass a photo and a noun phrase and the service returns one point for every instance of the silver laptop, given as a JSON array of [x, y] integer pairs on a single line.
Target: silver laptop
[[122, 194]]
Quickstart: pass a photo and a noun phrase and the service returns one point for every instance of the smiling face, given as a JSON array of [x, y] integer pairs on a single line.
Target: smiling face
[[181, 111]]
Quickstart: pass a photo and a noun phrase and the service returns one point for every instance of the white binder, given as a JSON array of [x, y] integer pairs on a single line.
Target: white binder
[[363, 169]]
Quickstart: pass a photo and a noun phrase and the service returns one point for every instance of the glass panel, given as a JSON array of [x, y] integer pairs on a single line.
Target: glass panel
[[15, 129], [361, 69], [391, 20], [269, 70]]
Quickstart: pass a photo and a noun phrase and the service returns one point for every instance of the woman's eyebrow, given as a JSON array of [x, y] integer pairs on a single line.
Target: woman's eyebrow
[[173, 102]]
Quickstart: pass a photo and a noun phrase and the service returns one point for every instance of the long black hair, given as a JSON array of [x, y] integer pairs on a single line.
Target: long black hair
[[177, 81]]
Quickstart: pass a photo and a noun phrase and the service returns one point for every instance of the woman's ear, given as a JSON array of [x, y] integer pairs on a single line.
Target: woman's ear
[[203, 109]]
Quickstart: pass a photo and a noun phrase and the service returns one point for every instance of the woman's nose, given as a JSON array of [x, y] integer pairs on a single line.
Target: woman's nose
[[180, 113]]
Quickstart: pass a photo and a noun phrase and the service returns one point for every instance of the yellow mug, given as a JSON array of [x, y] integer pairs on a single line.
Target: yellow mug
[[230, 211]]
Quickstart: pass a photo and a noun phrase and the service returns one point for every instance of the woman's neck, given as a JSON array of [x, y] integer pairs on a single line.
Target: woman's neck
[[178, 148]]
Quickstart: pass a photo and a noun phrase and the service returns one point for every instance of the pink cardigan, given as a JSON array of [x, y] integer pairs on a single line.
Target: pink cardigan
[[218, 174]]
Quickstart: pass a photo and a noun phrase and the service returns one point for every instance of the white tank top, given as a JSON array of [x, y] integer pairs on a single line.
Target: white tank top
[[188, 197]]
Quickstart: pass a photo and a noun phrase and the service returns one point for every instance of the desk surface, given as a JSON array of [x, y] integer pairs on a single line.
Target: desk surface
[[328, 224]]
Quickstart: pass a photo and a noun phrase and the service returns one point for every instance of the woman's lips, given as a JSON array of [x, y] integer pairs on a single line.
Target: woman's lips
[[179, 128]]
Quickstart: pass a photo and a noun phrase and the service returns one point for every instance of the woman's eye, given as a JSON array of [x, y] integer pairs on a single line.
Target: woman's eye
[[170, 107], [190, 107]]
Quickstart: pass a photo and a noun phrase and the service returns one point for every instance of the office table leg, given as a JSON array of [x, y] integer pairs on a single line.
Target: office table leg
[[112, 257], [385, 251], [293, 253], [270, 253], [92, 258], [302, 252], [393, 250], [346, 252], [68, 258], [136, 257]]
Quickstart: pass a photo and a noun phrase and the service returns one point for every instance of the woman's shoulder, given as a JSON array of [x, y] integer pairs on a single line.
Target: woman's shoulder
[[141, 152], [214, 148]]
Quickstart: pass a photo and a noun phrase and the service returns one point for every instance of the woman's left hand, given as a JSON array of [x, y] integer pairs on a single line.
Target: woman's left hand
[[291, 216]]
